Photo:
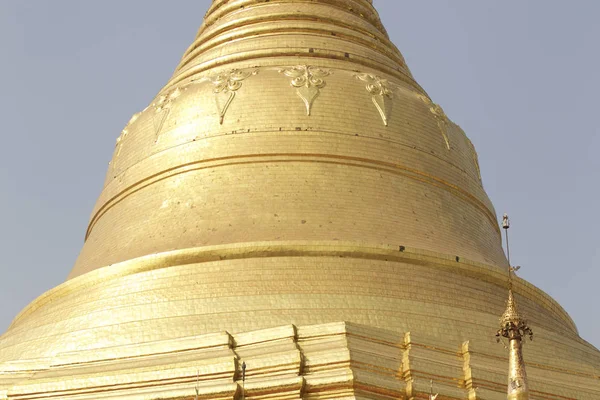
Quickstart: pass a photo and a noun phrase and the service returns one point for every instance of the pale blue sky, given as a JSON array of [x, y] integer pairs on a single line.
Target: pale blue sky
[[521, 77]]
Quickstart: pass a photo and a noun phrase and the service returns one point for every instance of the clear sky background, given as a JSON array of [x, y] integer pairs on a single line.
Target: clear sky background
[[521, 78]]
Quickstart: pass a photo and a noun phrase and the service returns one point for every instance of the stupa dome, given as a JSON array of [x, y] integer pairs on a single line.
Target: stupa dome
[[291, 173]]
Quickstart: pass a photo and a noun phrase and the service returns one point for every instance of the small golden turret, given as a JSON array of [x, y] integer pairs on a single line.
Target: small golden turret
[[514, 328]]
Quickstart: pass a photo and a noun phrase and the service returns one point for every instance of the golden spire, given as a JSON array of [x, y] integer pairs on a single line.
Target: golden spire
[[514, 328]]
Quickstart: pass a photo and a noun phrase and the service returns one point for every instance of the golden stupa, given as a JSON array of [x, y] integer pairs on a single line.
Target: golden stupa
[[293, 200]]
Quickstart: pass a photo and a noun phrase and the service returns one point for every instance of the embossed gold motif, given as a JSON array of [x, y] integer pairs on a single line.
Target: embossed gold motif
[[442, 121], [226, 84], [382, 94], [308, 81], [440, 117], [124, 132], [475, 158], [472, 151], [162, 110], [120, 139]]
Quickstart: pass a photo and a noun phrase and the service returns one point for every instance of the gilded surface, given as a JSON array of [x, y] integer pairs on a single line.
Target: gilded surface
[[290, 176]]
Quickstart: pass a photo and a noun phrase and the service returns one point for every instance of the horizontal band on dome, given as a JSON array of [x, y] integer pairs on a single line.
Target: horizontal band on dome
[[459, 265]]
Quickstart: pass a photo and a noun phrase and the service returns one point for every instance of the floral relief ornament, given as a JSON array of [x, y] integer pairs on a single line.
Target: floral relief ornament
[[124, 134], [472, 150], [226, 84], [120, 140], [162, 108], [440, 116], [382, 94], [308, 81]]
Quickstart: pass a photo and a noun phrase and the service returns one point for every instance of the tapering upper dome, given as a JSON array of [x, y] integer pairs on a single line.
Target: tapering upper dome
[[291, 121]]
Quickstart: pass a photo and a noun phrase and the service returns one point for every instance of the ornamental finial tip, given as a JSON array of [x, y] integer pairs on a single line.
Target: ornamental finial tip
[[431, 395], [513, 327], [505, 221]]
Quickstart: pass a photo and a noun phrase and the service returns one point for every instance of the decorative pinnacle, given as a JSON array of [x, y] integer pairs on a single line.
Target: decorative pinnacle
[[243, 380], [505, 222], [511, 314], [513, 326], [431, 395]]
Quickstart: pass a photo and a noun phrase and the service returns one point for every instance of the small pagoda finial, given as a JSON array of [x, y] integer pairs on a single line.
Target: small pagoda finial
[[513, 327], [197, 385], [506, 226], [243, 380], [431, 395]]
